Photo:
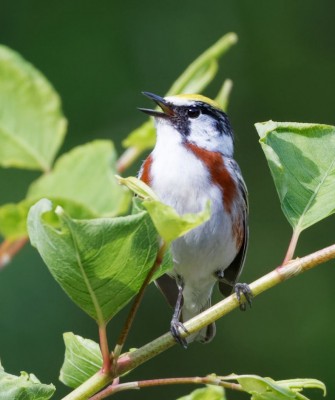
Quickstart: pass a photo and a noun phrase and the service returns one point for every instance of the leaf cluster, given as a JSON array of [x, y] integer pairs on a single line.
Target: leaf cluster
[[99, 245]]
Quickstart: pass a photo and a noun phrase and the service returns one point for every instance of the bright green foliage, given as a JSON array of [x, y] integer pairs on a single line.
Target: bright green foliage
[[13, 219], [138, 187], [210, 392], [268, 389], [82, 360], [169, 224], [23, 387], [82, 182], [100, 263], [32, 126], [194, 79], [84, 178], [301, 158]]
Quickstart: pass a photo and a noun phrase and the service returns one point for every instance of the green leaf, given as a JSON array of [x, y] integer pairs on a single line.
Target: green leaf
[[169, 224], [85, 176], [264, 388], [32, 125], [301, 158], [210, 392], [297, 385], [201, 72], [138, 187], [268, 389], [143, 137], [222, 98], [100, 263], [13, 219], [194, 79], [82, 182], [23, 387], [82, 360]]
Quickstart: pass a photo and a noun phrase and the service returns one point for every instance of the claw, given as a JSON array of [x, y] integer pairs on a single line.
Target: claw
[[243, 288], [176, 326]]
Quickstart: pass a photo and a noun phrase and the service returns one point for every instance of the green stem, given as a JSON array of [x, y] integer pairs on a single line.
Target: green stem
[[90, 387], [129, 361], [280, 274]]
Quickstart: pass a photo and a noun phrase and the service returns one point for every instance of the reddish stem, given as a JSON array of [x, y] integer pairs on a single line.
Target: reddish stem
[[116, 387], [106, 366], [292, 246], [8, 250], [132, 313]]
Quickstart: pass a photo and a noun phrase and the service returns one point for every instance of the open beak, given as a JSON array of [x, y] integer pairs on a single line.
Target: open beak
[[162, 103]]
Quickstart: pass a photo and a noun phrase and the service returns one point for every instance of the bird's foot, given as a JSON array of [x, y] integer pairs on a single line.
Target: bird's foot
[[176, 327], [243, 288]]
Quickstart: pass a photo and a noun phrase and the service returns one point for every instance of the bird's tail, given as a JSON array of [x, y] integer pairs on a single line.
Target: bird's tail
[[206, 334]]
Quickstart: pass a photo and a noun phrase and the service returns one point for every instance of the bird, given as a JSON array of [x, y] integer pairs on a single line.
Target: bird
[[192, 163]]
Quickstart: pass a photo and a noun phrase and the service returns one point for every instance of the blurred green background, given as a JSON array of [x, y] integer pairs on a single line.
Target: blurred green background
[[100, 56]]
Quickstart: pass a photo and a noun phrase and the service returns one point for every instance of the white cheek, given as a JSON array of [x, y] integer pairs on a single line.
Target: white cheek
[[204, 134]]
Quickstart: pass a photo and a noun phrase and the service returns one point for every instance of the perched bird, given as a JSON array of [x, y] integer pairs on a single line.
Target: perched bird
[[191, 163]]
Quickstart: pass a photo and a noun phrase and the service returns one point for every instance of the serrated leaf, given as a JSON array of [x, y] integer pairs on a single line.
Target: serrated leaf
[[169, 224], [210, 392], [23, 387], [301, 158], [32, 125], [82, 360], [82, 182], [100, 263], [194, 79]]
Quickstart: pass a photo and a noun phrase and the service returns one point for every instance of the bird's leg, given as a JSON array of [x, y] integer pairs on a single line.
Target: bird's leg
[[175, 322], [243, 288], [239, 289]]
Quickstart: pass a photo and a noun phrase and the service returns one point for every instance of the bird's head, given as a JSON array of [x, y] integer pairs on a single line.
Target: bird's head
[[192, 118]]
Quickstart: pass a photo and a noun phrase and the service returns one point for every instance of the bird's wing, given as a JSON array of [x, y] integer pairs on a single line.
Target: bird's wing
[[232, 273], [168, 286]]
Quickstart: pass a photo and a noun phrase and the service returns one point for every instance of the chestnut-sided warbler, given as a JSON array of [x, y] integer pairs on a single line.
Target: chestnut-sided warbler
[[192, 162]]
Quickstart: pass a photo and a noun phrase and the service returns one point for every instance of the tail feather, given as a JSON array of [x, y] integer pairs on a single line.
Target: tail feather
[[206, 334]]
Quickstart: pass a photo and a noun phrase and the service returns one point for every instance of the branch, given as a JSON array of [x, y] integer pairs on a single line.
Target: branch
[[292, 246], [206, 380], [131, 360], [127, 158], [8, 249], [131, 316]]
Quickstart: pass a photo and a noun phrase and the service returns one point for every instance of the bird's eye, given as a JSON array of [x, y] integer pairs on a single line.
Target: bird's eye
[[193, 112]]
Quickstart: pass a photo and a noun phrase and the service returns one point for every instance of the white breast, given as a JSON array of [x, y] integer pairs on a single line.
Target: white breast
[[183, 182]]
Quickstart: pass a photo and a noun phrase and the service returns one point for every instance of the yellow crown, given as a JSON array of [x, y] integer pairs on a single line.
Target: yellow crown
[[199, 97]]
